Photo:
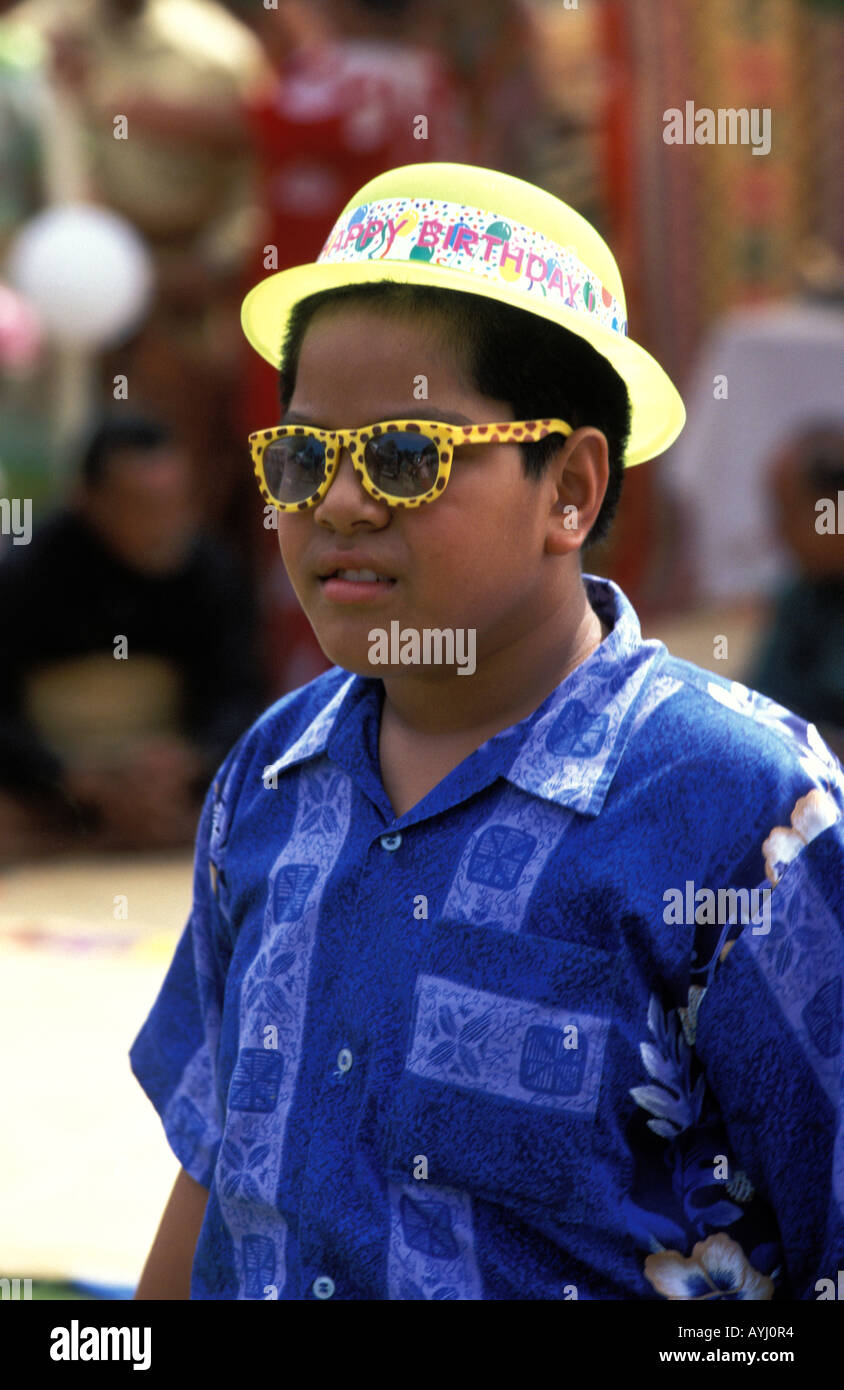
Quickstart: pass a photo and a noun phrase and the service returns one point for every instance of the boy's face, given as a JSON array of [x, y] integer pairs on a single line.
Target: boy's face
[[473, 558]]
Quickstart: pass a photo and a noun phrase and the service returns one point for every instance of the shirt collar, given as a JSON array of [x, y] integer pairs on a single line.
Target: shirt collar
[[578, 735], [570, 747]]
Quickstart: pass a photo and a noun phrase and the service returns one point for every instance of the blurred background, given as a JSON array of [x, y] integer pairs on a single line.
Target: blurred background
[[157, 158]]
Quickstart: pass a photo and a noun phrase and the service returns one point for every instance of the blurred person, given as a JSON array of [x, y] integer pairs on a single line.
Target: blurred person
[[763, 373], [158, 89], [801, 658], [343, 104], [42, 163], [496, 48], [126, 655], [178, 72], [42, 159], [352, 78], [19, 148]]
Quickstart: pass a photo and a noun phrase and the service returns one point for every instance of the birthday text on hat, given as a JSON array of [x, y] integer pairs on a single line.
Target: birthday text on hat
[[478, 242], [726, 126]]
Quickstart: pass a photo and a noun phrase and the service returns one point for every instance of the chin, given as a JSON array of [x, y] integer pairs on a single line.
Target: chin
[[352, 658]]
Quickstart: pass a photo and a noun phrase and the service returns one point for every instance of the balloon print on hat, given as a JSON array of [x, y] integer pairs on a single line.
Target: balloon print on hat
[[509, 269], [407, 222]]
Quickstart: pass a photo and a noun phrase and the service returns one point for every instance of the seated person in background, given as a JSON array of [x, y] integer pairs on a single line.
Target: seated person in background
[[127, 659], [801, 662]]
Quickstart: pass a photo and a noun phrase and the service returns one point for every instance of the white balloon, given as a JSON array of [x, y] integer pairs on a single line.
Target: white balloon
[[86, 272]]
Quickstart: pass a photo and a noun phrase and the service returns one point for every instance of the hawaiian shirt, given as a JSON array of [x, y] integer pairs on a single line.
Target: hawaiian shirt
[[570, 1027]]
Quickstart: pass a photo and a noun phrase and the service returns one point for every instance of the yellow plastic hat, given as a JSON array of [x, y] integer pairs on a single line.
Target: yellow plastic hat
[[479, 231]]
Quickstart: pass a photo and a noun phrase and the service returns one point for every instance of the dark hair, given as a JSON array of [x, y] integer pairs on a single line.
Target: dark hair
[[114, 433], [540, 368]]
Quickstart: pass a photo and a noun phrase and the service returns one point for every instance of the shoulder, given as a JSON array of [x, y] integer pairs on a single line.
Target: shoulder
[[739, 732], [210, 37], [732, 764]]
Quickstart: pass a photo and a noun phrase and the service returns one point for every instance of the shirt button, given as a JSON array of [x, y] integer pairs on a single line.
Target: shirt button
[[344, 1059], [390, 841], [323, 1286]]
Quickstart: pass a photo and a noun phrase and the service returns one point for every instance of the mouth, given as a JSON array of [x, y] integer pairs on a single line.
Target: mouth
[[355, 584], [358, 577]]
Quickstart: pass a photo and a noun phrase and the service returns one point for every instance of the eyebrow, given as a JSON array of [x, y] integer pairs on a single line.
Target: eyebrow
[[431, 412]]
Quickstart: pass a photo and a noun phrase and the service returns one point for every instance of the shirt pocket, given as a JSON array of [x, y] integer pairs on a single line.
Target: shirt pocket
[[503, 1067]]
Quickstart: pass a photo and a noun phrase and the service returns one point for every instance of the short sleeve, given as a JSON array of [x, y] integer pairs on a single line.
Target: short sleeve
[[175, 1055], [769, 1035]]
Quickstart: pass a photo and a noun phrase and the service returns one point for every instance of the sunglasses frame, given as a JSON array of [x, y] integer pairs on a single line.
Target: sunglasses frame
[[445, 437]]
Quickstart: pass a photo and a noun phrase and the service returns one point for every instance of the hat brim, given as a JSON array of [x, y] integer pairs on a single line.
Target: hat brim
[[657, 410]]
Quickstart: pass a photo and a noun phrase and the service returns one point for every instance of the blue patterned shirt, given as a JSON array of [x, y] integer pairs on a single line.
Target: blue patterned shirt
[[571, 1027]]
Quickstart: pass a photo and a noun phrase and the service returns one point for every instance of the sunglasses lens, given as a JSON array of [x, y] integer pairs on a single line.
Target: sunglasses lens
[[402, 463], [294, 467]]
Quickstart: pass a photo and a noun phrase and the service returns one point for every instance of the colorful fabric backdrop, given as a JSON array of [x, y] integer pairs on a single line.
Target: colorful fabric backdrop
[[704, 228], [701, 229]]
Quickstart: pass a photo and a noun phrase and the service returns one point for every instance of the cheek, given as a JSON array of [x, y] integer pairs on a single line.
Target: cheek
[[293, 534], [483, 540]]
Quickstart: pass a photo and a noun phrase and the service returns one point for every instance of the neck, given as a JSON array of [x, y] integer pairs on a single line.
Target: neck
[[508, 684]]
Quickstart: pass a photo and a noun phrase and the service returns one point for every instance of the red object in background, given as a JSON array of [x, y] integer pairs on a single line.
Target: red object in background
[[632, 530], [338, 115]]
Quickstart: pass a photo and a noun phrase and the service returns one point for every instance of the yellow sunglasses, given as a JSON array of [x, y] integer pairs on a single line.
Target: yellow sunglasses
[[401, 462]]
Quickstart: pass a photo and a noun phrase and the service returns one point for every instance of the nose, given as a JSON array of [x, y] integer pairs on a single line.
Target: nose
[[347, 500]]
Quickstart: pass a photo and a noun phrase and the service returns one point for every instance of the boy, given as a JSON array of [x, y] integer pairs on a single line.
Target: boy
[[523, 985]]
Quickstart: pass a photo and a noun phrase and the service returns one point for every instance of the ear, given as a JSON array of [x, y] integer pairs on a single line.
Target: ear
[[577, 480]]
